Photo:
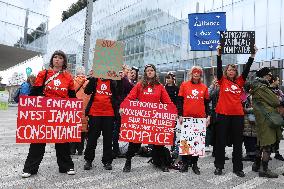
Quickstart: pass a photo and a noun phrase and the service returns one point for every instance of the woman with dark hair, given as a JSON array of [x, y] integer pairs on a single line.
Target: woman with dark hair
[[55, 82], [148, 90], [171, 87], [264, 102], [134, 74], [230, 114]]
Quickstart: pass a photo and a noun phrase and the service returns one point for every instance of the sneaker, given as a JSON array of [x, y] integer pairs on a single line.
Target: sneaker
[[26, 175], [71, 172], [107, 166]]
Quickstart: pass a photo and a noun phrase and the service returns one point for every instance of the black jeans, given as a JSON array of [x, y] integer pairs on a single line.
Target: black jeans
[[36, 153], [115, 136], [78, 146], [98, 124], [233, 126], [250, 145], [134, 147]]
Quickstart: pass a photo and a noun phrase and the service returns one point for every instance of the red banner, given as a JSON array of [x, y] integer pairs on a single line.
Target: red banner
[[147, 123], [49, 120]]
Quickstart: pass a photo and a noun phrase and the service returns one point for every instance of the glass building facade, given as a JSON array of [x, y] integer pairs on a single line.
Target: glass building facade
[[23, 23], [156, 31]]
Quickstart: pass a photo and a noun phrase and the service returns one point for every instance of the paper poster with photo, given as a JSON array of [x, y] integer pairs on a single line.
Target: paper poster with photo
[[237, 42], [147, 123], [49, 120], [4, 97], [108, 59], [192, 137]]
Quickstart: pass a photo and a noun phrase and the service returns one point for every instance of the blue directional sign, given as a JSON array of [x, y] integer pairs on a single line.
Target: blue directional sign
[[205, 30]]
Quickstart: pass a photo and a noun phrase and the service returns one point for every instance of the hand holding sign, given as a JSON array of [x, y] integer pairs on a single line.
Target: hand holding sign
[[254, 52]]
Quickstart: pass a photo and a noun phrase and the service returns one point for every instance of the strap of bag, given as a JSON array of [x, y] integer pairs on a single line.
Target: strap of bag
[[52, 78]]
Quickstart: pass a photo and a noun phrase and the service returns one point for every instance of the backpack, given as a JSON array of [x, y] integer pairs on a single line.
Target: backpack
[[16, 95], [156, 160]]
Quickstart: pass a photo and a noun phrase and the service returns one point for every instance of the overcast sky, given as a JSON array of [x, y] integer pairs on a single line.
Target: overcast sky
[[56, 9]]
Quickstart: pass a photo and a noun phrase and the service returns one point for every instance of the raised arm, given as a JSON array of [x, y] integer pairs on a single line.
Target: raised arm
[[248, 64], [219, 63]]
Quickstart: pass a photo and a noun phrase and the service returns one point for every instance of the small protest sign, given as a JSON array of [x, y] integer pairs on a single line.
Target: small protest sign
[[4, 97], [205, 30], [237, 42], [49, 120], [192, 138], [108, 59], [147, 123]]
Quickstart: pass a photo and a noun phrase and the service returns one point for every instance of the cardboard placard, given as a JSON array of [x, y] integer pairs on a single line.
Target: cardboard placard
[[108, 59], [147, 123], [49, 120], [192, 137], [237, 42], [4, 97], [205, 30]]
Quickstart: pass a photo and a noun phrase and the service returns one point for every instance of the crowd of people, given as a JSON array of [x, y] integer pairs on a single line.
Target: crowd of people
[[237, 112]]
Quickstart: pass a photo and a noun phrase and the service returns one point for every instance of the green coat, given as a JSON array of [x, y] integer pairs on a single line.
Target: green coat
[[262, 94]]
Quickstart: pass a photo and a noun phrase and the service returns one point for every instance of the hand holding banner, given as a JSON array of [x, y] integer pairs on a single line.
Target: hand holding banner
[[49, 120], [147, 123], [192, 137], [108, 59]]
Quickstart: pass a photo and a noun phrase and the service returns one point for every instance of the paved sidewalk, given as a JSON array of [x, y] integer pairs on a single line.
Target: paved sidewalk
[[143, 174]]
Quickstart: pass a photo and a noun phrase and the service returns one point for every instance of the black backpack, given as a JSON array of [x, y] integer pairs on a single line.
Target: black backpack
[[156, 160]]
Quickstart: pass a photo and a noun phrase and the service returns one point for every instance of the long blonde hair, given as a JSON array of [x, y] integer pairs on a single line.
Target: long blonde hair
[[195, 68]]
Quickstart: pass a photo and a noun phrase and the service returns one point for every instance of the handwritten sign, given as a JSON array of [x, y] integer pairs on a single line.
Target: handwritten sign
[[192, 138], [108, 59], [49, 120], [205, 30], [147, 123], [4, 97], [237, 42]]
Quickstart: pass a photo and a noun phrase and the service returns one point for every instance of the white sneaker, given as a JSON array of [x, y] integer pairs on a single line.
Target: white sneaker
[[71, 172], [26, 175]]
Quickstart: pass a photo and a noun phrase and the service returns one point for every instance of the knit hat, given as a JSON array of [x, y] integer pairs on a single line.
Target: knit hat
[[263, 72], [150, 65]]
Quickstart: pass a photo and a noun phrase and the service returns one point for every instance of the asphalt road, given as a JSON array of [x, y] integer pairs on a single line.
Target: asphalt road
[[143, 175]]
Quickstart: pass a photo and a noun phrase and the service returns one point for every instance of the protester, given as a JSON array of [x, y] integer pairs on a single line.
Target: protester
[[193, 102], [134, 73], [127, 85], [264, 100], [230, 115], [249, 133], [27, 85], [148, 90], [172, 90], [274, 86], [171, 87], [80, 83], [55, 82], [101, 109]]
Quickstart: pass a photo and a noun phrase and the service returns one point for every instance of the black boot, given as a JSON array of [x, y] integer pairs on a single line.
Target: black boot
[[184, 167], [256, 164], [185, 164], [195, 169], [127, 166], [88, 165], [265, 172]]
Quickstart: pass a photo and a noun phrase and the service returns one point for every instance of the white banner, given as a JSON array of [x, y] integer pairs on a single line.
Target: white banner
[[192, 137]]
